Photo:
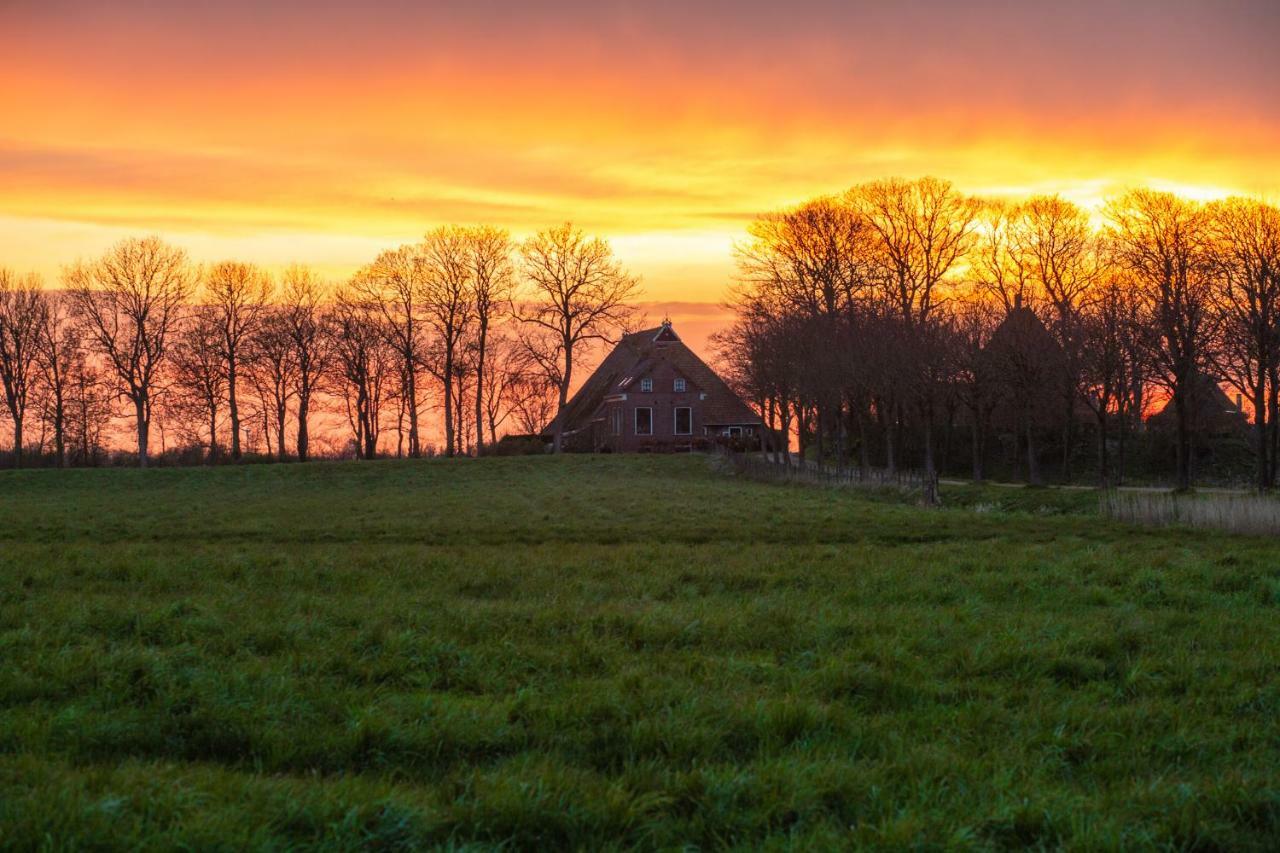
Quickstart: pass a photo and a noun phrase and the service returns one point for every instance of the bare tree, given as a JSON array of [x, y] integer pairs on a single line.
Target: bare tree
[[394, 287], [492, 286], [237, 293], [815, 261], [815, 257], [23, 308], [1105, 363], [999, 265], [503, 385], [923, 229], [200, 377], [1060, 247], [89, 409], [272, 368], [976, 389], [304, 320], [447, 266], [578, 293], [1246, 266], [131, 301], [1162, 240], [363, 367], [541, 360], [534, 364], [59, 351]]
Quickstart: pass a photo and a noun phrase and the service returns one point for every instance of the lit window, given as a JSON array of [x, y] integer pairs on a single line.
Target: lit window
[[644, 420], [646, 384], [679, 385], [684, 421]]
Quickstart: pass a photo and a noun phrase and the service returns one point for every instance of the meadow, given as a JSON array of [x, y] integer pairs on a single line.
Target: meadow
[[603, 652]]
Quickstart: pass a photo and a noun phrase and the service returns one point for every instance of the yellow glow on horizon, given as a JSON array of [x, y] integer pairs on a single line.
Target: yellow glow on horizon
[[668, 155]]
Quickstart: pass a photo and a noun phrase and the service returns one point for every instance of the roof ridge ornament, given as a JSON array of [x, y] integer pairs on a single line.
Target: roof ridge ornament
[[665, 332]]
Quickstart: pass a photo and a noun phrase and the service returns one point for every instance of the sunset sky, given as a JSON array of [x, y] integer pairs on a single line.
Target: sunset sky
[[326, 131]]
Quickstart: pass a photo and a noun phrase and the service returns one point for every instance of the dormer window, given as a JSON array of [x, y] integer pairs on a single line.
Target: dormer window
[[646, 385], [678, 385]]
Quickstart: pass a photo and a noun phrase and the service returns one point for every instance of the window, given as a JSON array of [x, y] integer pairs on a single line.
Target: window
[[646, 384], [615, 420], [644, 420], [684, 420], [678, 385]]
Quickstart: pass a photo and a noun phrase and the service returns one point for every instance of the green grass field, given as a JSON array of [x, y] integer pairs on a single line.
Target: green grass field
[[606, 651]]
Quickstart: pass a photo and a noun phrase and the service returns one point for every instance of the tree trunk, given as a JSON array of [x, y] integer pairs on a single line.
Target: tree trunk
[[411, 393], [449, 437], [890, 445], [361, 439], [930, 466], [303, 439], [1068, 432], [949, 434], [978, 439], [1273, 420], [266, 430], [784, 409], [84, 440], [233, 409], [802, 429], [1033, 461], [864, 449], [60, 431], [282, 413], [400, 432], [144, 429], [1261, 436], [564, 396], [481, 342], [1183, 441], [17, 437], [1122, 440], [819, 428], [213, 436], [370, 433], [1104, 473]]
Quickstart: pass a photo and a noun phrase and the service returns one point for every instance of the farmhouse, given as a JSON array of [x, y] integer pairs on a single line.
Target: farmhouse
[[652, 393], [1212, 411]]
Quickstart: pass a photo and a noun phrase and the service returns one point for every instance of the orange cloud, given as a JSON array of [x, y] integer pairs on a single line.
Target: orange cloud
[[324, 131]]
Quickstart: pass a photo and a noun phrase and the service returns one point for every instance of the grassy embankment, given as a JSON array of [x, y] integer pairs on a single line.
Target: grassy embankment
[[611, 650]]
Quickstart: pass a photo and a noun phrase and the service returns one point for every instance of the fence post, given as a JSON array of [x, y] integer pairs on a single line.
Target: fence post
[[931, 488]]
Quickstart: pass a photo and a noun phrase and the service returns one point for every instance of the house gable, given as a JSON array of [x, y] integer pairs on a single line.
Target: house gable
[[666, 335], [646, 371]]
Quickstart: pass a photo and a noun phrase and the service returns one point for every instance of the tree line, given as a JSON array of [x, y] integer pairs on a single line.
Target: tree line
[[467, 321], [871, 321]]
